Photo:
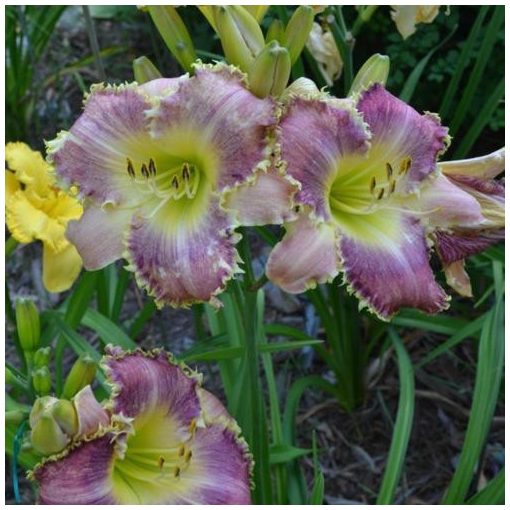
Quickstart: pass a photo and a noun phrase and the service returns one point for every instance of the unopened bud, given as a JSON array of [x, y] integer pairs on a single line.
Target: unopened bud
[[42, 357], [257, 11], [144, 70], [270, 72], [174, 33], [275, 32], [240, 34], [47, 437], [298, 31], [27, 323], [81, 374], [41, 381], [15, 417], [53, 422], [374, 70]]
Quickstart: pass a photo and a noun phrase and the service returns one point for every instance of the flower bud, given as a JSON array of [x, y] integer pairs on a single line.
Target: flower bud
[[27, 323], [53, 422], [41, 381], [81, 374], [297, 31], [275, 31], [257, 11], [144, 70], [270, 72], [374, 70], [47, 437], [42, 357], [15, 417], [240, 34], [174, 33]]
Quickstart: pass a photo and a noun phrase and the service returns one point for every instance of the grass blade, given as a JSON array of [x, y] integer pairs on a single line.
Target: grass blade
[[493, 493], [108, 331], [403, 424], [487, 386]]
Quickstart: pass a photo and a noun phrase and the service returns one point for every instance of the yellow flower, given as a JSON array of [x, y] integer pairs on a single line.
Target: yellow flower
[[36, 209], [406, 17]]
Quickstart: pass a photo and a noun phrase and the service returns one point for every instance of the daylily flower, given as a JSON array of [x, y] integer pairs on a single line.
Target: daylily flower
[[322, 46], [454, 237], [36, 209], [158, 166], [406, 17], [360, 170], [168, 441]]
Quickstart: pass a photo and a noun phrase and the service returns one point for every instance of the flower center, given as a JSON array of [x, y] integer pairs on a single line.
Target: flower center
[[365, 187], [155, 461], [171, 182]]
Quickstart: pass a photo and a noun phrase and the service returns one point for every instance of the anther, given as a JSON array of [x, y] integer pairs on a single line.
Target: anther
[[130, 168], [181, 451], [152, 167], [185, 171], [161, 462], [389, 171], [193, 425], [392, 186], [145, 171], [380, 194], [405, 165], [177, 471], [188, 456], [175, 182], [372, 185]]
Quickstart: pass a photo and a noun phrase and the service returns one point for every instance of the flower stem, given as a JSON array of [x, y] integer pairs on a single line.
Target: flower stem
[[10, 246]]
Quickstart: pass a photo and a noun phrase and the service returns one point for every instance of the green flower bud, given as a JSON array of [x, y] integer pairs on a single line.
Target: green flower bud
[[174, 33], [297, 31], [66, 416], [270, 72], [15, 417], [42, 357], [144, 70], [374, 70], [53, 422], [41, 381], [275, 32], [81, 374], [240, 35], [27, 323], [47, 436]]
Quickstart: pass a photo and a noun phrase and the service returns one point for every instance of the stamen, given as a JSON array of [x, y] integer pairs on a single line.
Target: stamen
[[380, 194], [177, 471], [145, 171], [373, 183], [393, 184], [175, 182], [188, 456], [193, 425], [405, 165], [152, 167], [185, 171], [161, 462], [130, 169], [389, 171], [182, 450]]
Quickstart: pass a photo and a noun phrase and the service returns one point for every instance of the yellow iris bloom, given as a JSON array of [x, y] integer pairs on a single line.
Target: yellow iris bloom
[[36, 209]]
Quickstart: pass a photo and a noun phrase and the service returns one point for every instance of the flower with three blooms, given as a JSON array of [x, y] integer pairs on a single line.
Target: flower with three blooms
[[37, 209], [161, 168], [371, 196], [160, 439]]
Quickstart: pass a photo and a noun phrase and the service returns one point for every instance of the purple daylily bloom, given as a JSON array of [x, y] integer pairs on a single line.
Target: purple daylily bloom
[[168, 441]]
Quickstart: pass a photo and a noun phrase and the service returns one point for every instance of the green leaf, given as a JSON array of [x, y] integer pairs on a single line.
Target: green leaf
[[283, 453], [317, 496], [414, 78], [493, 493], [403, 424], [108, 331], [436, 324], [287, 346], [487, 385]]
